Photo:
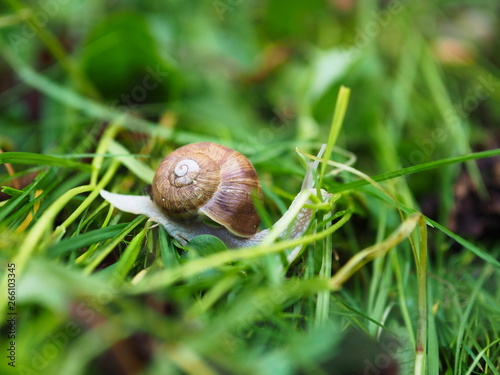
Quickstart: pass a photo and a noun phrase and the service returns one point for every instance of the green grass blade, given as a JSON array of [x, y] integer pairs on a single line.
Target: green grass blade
[[487, 271], [338, 118], [416, 169], [468, 245], [139, 169], [129, 256], [83, 240], [30, 158]]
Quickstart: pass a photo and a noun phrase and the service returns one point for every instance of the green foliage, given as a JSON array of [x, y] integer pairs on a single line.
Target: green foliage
[[94, 94]]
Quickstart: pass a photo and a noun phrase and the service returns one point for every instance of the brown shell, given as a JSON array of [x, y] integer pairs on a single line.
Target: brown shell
[[221, 190]]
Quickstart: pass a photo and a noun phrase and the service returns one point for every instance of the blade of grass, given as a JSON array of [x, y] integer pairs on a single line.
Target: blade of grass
[[468, 245], [338, 118], [416, 169], [381, 276], [456, 129], [400, 274], [480, 355], [27, 221], [85, 239], [377, 250], [487, 271], [139, 169], [40, 159], [35, 235], [110, 246], [213, 295], [323, 298], [421, 262], [129, 256], [433, 338], [462, 241], [88, 200], [12, 204], [103, 146]]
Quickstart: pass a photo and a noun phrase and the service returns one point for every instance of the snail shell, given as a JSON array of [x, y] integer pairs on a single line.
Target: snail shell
[[207, 180]]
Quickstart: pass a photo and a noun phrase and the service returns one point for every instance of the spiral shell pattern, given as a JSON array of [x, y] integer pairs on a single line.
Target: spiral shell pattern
[[185, 173], [207, 180]]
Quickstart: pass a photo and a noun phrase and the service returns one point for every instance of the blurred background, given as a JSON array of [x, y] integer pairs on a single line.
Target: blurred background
[[262, 76]]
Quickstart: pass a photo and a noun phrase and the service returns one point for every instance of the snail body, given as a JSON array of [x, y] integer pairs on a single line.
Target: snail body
[[205, 180]]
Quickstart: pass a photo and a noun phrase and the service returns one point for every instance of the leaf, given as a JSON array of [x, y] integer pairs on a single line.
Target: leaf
[[206, 244], [11, 191]]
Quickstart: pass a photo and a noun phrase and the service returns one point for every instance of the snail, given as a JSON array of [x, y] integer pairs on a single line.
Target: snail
[[202, 184]]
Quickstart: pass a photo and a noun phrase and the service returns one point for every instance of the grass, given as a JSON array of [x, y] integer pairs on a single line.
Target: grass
[[396, 265]]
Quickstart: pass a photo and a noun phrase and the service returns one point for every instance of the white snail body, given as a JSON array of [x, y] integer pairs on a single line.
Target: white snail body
[[206, 181]]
